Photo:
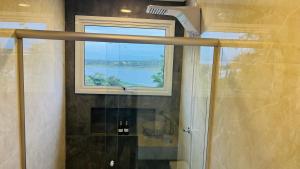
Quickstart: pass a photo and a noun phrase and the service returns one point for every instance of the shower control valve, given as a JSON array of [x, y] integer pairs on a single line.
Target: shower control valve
[[112, 163]]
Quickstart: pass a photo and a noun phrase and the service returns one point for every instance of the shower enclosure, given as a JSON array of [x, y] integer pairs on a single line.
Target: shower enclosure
[[136, 131]]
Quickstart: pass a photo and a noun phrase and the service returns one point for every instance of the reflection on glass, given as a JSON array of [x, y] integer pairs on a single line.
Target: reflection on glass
[[9, 42], [230, 54], [22, 25], [230, 35], [124, 64]]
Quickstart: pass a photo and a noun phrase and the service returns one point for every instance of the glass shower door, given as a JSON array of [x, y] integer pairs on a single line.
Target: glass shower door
[[165, 131]]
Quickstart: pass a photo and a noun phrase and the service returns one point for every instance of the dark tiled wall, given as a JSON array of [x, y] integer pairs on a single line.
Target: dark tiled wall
[[81, 144]]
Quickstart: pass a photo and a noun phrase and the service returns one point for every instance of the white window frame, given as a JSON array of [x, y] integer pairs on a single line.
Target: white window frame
[[82, 21]]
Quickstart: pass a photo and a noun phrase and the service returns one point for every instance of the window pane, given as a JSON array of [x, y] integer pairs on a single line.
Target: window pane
[[124, 64], [125, 30]]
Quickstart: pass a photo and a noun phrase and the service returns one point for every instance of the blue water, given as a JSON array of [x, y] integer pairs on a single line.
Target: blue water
[[131, 76], [135, 76]]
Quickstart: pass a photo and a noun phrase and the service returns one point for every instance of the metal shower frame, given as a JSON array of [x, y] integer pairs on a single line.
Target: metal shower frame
[[80, 36]]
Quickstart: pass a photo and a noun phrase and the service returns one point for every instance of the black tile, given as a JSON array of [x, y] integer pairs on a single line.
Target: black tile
[[84, 150]]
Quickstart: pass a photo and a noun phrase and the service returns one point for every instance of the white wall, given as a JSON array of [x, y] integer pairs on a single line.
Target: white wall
[[44, 86]]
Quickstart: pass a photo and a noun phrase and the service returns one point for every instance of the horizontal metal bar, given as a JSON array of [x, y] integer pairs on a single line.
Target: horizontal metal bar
[[7, 33], [81, 36]]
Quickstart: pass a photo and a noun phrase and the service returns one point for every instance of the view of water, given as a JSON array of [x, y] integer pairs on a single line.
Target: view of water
[[132, 64], [135, 76]]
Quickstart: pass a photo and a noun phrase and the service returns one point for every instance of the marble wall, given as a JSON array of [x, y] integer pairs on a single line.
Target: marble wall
[[44, 85], [78, 119], [257, 119]]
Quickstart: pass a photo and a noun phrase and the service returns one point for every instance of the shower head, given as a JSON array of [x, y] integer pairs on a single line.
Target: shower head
[[157, 10], [189, 17]]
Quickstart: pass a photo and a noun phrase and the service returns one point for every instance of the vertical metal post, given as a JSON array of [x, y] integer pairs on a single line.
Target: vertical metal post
[[213, 92], [21, 92]]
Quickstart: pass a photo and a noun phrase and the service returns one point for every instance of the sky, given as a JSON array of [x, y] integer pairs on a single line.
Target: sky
[[123, 51]]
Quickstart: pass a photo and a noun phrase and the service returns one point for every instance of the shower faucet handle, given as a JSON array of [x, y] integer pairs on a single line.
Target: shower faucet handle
[[112, 163]]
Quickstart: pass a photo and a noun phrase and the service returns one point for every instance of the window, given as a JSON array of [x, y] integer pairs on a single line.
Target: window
[[123, 68]]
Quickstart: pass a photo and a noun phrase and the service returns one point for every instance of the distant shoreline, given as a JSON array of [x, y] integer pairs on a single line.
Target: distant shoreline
[[126, 63]]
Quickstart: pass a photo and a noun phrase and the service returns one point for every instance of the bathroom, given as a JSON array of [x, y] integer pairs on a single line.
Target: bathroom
[[140, 84]]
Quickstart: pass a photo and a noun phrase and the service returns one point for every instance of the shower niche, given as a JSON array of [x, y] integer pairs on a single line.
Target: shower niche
[[107, 121], [151, 137]]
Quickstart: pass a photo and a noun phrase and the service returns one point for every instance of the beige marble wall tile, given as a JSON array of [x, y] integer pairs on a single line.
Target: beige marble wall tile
[[257, 117], [9, 127], [44, 86]]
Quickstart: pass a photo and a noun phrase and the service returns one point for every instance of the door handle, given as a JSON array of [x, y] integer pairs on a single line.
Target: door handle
[[187, 130]]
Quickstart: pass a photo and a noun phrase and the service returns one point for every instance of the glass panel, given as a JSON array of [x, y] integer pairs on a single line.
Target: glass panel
[[44, 93], [126, 132], [125, 30], [141, 132], [137, 132], [231, 35]]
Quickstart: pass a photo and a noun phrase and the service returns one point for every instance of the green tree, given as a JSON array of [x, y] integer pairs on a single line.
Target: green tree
[[113, 81], [99, 79], [159, 77]]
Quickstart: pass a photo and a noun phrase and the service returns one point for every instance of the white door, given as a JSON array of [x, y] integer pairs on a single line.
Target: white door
[[195, 96], [203, 63], [184, 135]]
